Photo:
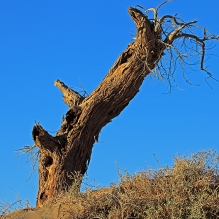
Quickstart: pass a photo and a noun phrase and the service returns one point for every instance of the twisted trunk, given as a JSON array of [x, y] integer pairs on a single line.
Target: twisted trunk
[[69, 151]]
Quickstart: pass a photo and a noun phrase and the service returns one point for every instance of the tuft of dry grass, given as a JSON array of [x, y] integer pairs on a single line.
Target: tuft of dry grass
[[189, 189], [6, 207]]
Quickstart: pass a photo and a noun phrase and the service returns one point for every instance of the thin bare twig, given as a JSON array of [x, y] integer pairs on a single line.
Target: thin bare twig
[[31, 156]]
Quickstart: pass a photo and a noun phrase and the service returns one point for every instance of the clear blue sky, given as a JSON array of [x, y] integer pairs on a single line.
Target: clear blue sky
[[76, 42]]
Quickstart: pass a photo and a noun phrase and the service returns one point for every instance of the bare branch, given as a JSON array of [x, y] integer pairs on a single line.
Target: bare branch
[[202, 44], [25, 149], [162, 20], [154, 10], [32, 155], [173, 35], [167, 30]]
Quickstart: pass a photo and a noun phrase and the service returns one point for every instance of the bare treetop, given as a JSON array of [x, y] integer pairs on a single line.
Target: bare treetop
[[181, 42]]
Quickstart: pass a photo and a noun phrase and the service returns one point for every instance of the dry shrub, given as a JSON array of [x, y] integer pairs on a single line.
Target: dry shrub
[[190, 189]]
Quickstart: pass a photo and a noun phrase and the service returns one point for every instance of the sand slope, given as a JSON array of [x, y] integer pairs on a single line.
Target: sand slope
[[36, 213]]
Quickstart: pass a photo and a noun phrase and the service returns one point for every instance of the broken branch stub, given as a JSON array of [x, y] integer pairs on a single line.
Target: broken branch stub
[[71, 97], [44, 140]]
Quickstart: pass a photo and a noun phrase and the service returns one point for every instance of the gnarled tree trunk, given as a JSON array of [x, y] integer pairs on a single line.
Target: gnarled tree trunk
[[69, 151]]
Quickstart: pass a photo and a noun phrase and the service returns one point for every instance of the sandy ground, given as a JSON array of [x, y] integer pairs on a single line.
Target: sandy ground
[[34, 213]]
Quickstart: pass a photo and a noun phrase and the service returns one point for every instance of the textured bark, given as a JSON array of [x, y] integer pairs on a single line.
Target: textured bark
[[69, 151], [71, 97]]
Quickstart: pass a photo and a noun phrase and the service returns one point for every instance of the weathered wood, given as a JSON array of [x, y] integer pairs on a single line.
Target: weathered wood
[[71, 97]]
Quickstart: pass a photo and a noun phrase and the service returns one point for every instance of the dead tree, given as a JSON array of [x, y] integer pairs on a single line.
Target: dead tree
[[69, 151]]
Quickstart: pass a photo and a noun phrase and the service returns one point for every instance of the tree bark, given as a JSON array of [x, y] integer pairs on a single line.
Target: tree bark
[[69, 151]]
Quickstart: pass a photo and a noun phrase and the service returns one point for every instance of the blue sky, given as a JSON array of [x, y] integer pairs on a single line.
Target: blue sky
[[76, 42]]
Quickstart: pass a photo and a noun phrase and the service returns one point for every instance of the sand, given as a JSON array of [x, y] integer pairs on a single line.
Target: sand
[[35, 213]]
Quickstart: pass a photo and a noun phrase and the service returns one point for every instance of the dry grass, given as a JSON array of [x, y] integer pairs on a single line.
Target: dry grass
[[190, 189], [16, 204]]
